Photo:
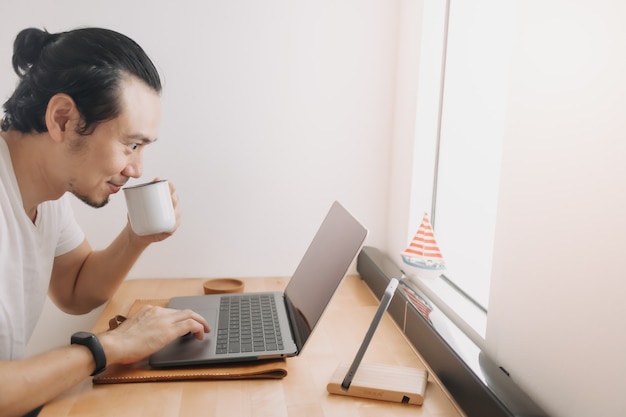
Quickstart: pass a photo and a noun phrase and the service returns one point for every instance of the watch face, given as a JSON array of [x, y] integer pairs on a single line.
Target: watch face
[[81, 336]]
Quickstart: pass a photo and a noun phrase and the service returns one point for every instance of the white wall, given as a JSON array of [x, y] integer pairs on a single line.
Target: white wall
[[557, 306], [401, 177], [272, 110]]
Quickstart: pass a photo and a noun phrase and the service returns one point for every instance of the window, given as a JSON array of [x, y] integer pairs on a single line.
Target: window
[[470, 142], [460, 120]]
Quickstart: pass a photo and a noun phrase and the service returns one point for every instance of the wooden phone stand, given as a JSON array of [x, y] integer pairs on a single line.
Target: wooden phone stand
[[380, 382]]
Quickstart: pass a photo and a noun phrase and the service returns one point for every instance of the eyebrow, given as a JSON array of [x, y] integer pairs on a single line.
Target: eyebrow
[[143, 138]]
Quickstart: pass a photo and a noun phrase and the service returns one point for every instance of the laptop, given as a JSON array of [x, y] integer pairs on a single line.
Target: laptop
[[291, 316]]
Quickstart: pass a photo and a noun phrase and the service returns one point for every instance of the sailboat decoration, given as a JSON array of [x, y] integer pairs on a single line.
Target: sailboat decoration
[[423, 251]]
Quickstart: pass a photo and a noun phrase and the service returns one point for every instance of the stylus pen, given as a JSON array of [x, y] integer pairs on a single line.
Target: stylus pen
[[384, 304]]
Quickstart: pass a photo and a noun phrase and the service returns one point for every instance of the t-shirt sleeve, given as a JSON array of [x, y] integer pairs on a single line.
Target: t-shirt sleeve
[[70, 234]]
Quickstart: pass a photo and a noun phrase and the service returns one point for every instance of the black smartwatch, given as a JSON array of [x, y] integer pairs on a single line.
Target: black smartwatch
[[93, 344]]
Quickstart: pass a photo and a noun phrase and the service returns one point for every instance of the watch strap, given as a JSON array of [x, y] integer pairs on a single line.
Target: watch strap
[[92, 343]]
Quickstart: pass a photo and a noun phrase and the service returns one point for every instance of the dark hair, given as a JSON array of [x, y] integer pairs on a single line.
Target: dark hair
[[88, 64]]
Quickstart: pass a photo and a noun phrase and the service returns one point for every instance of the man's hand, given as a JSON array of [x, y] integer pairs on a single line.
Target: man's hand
[[149, 330]]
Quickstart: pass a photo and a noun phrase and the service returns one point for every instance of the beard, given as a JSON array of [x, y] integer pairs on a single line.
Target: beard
[[91, 202]]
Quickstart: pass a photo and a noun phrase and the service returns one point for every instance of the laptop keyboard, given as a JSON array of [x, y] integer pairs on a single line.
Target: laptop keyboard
[[248, 323]]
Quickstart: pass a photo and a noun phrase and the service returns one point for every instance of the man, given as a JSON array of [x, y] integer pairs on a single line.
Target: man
[[86, 105]]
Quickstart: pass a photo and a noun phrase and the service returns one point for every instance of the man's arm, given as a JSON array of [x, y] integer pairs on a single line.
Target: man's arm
[[28, 383], [83, 279]]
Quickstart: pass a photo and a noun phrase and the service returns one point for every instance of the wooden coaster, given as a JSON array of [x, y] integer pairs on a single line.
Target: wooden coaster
[[223, 285]]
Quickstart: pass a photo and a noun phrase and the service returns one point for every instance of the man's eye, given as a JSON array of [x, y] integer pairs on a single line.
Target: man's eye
[[133, 146]]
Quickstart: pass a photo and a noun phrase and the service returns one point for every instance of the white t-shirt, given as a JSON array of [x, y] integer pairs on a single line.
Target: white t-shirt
[[27, 253]]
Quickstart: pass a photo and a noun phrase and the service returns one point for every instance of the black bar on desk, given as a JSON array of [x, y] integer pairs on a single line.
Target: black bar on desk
[[499, 396]]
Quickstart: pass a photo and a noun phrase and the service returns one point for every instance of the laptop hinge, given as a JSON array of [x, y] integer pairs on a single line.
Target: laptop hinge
[[294, 322]]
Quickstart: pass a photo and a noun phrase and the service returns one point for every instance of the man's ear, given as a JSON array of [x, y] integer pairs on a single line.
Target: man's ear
[[61, 116]]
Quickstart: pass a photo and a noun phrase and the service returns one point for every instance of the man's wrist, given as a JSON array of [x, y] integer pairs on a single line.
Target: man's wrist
[[91, 342]]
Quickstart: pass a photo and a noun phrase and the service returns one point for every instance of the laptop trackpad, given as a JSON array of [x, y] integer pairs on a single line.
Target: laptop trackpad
[[210, 315], [207, 307], [187, 350]]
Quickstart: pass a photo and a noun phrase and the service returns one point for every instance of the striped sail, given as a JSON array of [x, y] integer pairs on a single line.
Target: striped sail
[[423, 251]]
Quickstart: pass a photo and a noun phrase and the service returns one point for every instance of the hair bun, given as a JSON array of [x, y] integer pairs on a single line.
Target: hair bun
[[27, 48]]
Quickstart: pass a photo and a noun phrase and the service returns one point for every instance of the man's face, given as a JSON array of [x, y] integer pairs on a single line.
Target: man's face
[[103, 161]]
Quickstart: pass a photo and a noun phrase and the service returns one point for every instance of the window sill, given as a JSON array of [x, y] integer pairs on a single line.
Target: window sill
[[465, 314], [477, 384]]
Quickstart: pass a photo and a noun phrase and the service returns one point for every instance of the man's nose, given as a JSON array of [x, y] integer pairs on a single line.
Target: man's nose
[[134, 168]]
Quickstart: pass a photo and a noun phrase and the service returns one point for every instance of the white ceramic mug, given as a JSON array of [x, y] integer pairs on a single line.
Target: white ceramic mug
[[150, 208]]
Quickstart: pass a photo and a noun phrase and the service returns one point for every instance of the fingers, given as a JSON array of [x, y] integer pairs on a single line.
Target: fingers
[[185, 320], [149, 330], [172, 191], [189, 321], [174, 195]]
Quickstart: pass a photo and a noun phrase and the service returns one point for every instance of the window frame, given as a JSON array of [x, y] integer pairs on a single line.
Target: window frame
[[466, 313]]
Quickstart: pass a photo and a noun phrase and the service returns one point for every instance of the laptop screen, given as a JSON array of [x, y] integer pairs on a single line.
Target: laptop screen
[[323, 266]]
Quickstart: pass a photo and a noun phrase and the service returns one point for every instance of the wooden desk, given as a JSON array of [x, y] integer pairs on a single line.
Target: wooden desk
[[301, 393]]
